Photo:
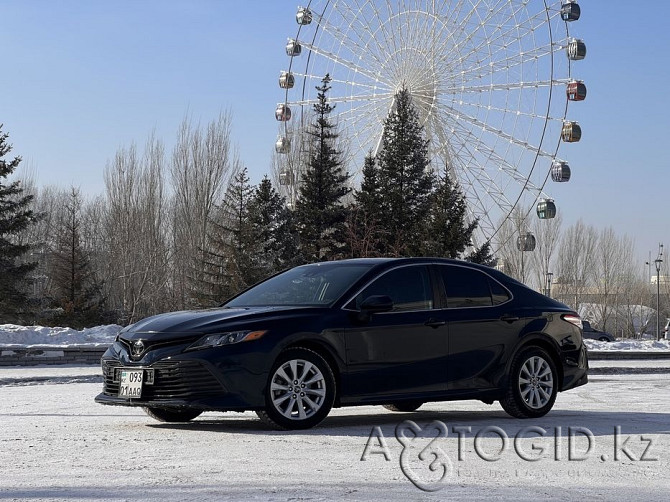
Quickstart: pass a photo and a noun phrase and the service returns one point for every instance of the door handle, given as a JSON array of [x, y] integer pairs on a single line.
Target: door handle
[[435, 323], [509, 318]]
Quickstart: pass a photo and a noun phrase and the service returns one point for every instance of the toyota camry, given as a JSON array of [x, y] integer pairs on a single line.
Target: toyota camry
[[392, 332]]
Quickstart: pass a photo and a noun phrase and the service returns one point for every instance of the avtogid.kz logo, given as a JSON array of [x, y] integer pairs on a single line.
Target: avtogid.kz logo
[[425, 463]]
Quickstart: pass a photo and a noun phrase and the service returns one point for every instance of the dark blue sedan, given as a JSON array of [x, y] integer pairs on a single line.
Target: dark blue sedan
[[393, 332]]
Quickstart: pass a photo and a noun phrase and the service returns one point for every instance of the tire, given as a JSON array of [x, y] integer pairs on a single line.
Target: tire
[[304, 370], [171, 415], [405, 406], [533, 384], [603, 339]]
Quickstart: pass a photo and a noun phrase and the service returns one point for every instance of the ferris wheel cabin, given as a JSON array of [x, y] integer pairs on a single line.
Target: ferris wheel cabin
[[576, 49], [283, 112], [570, 11], [576, 90], [283, 145], [546, 209], [286, 80], [293, 47], [526, 242], [560, 171], [571, 132], [304, 16]]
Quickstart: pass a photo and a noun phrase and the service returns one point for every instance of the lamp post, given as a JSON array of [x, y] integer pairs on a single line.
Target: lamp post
[[657, 264], [548, 288]]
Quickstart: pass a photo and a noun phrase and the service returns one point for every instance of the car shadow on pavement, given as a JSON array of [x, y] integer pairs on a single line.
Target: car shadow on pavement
[[557, 422]]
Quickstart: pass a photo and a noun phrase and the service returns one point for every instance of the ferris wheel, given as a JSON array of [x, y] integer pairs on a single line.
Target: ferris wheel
[[491, 81]]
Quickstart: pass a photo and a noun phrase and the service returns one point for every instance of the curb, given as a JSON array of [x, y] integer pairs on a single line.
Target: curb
[[54, 355], [50, 354], [602, 355]]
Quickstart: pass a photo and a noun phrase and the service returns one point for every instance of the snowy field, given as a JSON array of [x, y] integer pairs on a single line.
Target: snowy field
[[12, 335], [57, 444]]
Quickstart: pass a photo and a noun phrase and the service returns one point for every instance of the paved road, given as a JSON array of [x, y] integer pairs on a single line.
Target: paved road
[[57, 444]]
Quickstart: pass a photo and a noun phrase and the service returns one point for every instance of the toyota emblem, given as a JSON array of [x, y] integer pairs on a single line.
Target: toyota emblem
[[138, 348]]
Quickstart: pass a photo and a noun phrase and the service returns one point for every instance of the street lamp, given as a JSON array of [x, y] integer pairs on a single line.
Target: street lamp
[[657, 263], [548, 288]]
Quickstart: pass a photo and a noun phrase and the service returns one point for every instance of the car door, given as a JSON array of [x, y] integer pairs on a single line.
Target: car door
[[402, 351], [480, 329]]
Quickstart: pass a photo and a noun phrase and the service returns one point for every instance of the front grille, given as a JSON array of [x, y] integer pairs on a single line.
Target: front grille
[[185, 380]]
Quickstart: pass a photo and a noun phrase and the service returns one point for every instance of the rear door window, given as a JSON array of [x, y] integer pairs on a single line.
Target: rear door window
[[467, 287]]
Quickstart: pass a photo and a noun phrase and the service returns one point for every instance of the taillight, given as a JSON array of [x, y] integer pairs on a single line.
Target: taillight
[[573, 319]]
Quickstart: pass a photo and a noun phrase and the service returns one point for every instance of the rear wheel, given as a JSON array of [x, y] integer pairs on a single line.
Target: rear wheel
[[300, 391], [533, 384], [405, 406], [603, 339], [171, 415]]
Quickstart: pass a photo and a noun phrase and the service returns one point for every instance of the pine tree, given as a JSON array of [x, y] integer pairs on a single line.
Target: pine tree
[[405, 179], [448, 233], [15, 216], [229, 266], [483, 255], [365, 216], [276, 240], [320, 210], [76, 292]]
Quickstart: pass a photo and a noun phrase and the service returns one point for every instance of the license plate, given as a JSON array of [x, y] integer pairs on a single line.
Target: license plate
[[131, 383]]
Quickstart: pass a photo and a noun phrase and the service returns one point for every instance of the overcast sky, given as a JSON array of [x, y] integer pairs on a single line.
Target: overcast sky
[[82, 79]]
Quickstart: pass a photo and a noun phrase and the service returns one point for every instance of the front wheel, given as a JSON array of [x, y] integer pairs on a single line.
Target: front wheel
[[300, 391], [171, 415], [533, 384]]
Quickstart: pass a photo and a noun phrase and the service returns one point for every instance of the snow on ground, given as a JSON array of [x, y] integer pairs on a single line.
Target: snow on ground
[[57, 444], [641, 345], [13, 335]]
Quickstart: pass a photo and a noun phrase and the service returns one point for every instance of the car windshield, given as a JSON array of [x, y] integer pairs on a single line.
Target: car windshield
[[320, 284]]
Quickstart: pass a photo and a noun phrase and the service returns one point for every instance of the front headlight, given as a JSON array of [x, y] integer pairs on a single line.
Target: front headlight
[[228, 338]]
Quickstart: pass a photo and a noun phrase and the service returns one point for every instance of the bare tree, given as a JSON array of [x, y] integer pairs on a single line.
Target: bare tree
[[576, 262], [515, 263], [547, 234], [202, 163], [135, 231], [613, 257]]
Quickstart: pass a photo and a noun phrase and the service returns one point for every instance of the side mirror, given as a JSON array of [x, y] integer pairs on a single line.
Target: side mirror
[[374, 305]]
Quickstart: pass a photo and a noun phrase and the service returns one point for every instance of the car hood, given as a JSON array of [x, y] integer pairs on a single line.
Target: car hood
[[195, 322]]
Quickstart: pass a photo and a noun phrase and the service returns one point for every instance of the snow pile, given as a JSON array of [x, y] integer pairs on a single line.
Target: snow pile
[[100, 336], [13, 335], [637, 345]]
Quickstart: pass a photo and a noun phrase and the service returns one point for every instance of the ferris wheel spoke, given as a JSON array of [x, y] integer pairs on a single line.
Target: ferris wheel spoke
[[354, 24], [509, 60], [518, 112], [498, 30], [361, 85], [347, 99], [342, 62], [479, 89], [521, 179], [500, 41], [457, 33], [474, 189], [476, 148], [498, 132]]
